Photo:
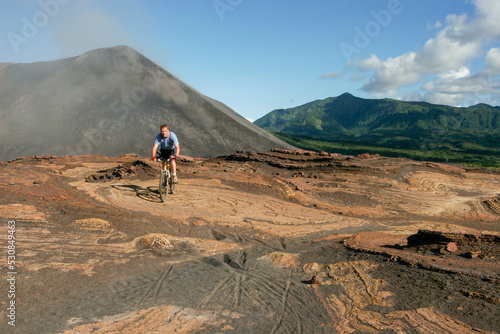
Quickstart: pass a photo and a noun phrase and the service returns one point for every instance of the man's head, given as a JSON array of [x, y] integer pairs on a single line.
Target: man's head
[[164, 130]]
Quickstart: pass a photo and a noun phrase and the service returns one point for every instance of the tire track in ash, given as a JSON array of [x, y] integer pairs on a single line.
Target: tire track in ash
[[286, 306], [300, 309], [237, 290], [154, 289], [208, 298], [288, 284], [298, 303]]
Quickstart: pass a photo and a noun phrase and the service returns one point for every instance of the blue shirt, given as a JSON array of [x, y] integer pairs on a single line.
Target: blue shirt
[[167, 143]]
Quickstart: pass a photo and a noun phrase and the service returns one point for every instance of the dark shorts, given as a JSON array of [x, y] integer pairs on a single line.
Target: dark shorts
[[165, 154]]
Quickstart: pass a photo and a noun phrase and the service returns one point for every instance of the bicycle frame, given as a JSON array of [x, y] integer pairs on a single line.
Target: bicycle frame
[[166, 179]]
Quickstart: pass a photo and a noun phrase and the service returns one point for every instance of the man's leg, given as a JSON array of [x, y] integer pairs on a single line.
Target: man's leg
[[174, 170], [174, 166]]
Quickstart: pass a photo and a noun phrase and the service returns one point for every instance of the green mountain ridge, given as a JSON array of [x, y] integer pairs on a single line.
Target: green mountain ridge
[[391, 124], [348, 114]]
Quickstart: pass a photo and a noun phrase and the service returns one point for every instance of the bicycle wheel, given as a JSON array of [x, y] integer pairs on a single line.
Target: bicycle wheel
[[171, 182], [163, 186], [171, 185]]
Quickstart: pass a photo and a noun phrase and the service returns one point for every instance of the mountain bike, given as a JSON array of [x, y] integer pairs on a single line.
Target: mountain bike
[[166, 179]]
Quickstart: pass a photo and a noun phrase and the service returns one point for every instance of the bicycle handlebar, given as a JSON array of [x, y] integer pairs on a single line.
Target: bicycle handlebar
[[166, 160]]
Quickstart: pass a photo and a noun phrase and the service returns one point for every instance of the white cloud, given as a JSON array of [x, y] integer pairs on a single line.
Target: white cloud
[[447, 99], [488, 24], [462, 91], [436, 25], [392, 73], [372, 63], [492, 59], [440, 68], [462, 72]]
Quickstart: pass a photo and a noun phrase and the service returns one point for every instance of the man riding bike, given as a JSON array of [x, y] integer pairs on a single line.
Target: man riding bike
[[169, 147]]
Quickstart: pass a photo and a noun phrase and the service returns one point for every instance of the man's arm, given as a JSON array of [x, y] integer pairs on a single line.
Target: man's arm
[[177, 150], [153, 152]]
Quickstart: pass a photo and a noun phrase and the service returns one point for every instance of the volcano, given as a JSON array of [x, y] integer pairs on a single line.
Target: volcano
[[111, 101]]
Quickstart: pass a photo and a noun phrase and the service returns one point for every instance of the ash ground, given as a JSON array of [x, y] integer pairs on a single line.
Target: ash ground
[[255, 242]]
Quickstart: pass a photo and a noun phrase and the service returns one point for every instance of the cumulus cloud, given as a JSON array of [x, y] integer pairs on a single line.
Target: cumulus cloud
[[462, 72], [436, 25], [452, 46], [462, 88], [492, 59], [440, 68]]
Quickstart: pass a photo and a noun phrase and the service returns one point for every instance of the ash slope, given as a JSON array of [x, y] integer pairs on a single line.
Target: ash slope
[[110, 102]]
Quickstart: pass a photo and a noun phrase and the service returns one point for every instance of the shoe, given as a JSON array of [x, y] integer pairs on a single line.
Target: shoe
[[175, 178]]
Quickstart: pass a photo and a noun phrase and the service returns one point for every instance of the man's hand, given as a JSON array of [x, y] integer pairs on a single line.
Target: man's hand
[[153, 158]]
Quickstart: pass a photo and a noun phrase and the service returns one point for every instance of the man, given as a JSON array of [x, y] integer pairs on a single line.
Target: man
[[169, 147]]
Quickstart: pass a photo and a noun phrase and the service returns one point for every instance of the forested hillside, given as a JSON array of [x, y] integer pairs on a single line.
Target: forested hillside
[[349, 125]]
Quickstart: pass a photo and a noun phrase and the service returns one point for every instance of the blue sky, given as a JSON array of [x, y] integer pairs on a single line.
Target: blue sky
[[260, 55]]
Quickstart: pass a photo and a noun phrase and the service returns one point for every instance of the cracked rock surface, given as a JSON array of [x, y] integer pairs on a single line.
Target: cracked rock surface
[[254, 242]]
